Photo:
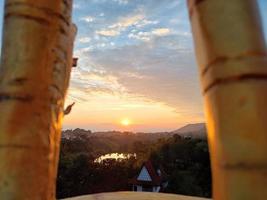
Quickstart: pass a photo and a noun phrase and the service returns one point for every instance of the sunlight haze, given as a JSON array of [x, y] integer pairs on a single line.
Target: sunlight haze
[[136, 61]]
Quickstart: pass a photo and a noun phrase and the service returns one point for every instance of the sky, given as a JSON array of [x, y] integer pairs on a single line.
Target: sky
[[137, 68]]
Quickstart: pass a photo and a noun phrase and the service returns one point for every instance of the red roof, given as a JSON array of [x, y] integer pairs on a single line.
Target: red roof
[[157, 179]]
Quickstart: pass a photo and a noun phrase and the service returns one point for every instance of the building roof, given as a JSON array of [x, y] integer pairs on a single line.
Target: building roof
[[156, 178]]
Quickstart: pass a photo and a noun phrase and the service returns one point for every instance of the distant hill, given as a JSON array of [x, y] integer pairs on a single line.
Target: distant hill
[[192, 130]]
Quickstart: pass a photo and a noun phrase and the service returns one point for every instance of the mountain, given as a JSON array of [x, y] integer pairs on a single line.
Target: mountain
[[192, 130]]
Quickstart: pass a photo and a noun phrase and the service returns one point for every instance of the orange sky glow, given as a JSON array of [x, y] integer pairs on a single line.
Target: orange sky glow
[[108, 112], [137, 69]]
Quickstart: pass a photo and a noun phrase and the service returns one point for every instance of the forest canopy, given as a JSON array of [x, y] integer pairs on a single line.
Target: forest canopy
[[185, 160]]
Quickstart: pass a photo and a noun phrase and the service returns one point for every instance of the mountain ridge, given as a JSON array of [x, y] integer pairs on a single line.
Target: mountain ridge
[[197, 130]]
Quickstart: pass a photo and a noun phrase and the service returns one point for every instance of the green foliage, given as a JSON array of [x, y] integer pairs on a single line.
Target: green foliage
[[186, 161]]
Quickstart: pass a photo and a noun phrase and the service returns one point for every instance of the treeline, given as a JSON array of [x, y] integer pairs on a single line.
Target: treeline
[[186, 161]]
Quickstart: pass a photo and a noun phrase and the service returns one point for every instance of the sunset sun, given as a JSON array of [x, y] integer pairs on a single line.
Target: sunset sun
[[125, 122]]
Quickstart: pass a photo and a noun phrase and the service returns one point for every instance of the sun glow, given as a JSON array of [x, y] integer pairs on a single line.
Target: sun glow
[[125, 122]]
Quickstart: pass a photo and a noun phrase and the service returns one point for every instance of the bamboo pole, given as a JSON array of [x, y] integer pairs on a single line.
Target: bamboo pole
[[34, 75], [232, 59]]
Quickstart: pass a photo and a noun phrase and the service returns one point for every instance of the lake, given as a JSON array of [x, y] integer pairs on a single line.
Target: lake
[[116, 156]]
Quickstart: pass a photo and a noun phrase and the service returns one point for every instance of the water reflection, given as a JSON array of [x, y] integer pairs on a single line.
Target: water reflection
[[116, 156]]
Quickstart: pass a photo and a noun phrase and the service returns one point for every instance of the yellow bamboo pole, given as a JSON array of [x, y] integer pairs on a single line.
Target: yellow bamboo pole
[[35, 68], [232, 59]]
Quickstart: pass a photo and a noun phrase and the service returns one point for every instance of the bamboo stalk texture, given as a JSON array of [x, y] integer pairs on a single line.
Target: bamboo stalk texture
[[34, 75], [232, 60]]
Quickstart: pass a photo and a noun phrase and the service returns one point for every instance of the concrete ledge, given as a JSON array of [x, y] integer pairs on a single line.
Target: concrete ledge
[[135, 196]]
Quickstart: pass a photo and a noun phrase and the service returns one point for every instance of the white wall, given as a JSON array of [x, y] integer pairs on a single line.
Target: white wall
[[139, 188]]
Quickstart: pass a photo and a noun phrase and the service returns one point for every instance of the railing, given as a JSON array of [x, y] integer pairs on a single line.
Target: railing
[[135, 196]]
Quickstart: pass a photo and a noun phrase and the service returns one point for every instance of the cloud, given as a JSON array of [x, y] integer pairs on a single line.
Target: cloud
[[108, 32], [128, 21], [123, 2], [161, 31], [138, 21], [88, 19], [76, 6], [84, 39], [147, 36], [119, 2], [85, 83], [160, 70], [156, 63], [146, 22], [123, 23]]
